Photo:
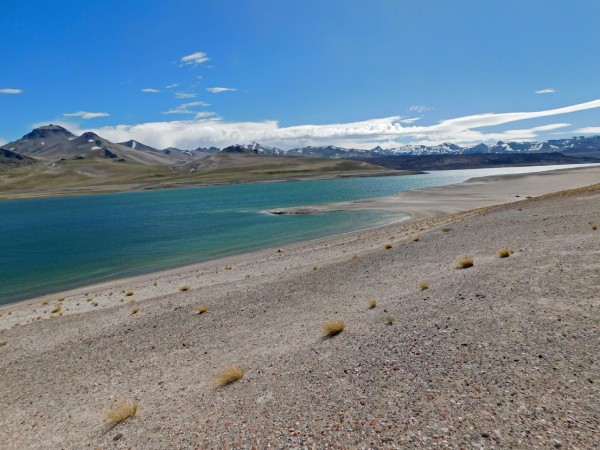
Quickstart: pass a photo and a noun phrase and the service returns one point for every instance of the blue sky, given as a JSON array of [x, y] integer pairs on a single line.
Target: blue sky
[[352, 73]]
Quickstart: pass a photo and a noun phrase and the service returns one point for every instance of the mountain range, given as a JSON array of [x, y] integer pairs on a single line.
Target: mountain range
[[53, 143]]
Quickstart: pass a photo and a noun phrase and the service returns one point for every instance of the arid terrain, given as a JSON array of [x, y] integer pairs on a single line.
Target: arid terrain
[[502, 354]]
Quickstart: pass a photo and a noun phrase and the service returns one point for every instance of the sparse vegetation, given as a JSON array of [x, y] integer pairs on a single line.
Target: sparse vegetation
[[422, 285], [354, 256], [129, 293], [201, 309], [120, 413], [387, 246], [416, 238], [372, 303], [593, 225], [185, 287], [135, 310], [62, 299], [446, 229], [45, 303], [56, 309], [3, 343], [504, 252], [228, 375], [332, 328], [390, 320], [464, 261]]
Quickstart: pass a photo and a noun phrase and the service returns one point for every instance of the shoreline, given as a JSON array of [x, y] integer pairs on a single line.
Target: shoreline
[[423, 206], [500, 354], [117, 189]]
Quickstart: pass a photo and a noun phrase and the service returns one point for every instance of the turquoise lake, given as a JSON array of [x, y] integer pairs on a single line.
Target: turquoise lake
[[52, 244]]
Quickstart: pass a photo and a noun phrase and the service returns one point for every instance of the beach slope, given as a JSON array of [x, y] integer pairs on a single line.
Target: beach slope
[[500, 354]]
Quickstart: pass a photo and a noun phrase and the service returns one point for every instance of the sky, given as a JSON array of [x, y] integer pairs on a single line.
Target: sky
[[290, 73]]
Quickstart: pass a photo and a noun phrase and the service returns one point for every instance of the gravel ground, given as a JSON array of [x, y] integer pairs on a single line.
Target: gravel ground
[[503, 354]]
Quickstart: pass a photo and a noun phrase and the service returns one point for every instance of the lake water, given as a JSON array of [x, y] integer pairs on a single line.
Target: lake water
[[53, 244]]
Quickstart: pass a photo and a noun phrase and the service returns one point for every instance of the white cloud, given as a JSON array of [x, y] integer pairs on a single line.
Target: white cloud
[[419, 108], [387, 132], [218, 90], [184, 108], [204, 114], [545, 91], [151, 90], [171, 86], [588, 130], [86, 114], [11, 91], [195, 58], [410, 120], [185, 95]]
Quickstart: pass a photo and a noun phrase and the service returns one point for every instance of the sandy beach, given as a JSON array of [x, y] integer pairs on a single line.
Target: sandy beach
[[502, 354]]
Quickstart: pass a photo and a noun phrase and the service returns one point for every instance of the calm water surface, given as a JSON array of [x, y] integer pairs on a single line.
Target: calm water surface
[[52, 244]]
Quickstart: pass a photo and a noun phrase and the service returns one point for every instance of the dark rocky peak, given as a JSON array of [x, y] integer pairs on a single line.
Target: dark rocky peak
[[48, 131]]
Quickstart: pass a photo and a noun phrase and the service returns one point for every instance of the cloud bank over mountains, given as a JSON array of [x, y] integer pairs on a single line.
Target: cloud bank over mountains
[[386, 132]]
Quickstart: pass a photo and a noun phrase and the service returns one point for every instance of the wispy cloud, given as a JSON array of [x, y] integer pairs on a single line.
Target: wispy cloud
[[218, 90], [86, 114], [171, 86], [419, 108], [195, 59], [11, 91], [410, 120], [185, 95], [151, 90], [588, 130], [387, 131], [184, 108], [546, 91], [205, 114]]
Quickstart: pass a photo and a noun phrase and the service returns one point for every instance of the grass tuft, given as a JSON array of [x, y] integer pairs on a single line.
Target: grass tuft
[[372, 303], [416, 238], [504, 252], [3, 343], [463, 262], [185, 287], [390, 320], [121, 412], [129, 293], [354, 256], [135, 310], [228, 375], [56, 309], [593, 225], [387, 246], [446, 229], [332, 328], [201, 309], [422, 285]]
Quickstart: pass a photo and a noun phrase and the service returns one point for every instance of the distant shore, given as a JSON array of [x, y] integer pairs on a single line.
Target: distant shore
[[501, 354]]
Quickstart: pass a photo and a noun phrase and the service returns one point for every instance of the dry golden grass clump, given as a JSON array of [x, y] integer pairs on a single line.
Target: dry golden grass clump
[[416, 238], [201, 309], [332, 328], [593, 225], [422, 285], [185, 287], [504, 252], [228, 375], [464, 261], [372, 303], [354, 256], [56, 309], [129, 293], [135, 310], [387, 246], [121, 412]]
